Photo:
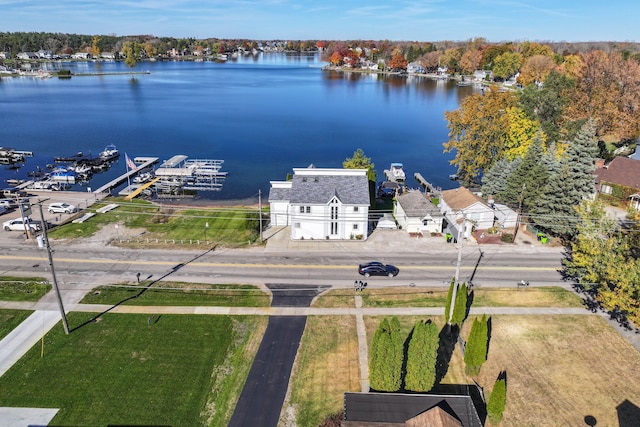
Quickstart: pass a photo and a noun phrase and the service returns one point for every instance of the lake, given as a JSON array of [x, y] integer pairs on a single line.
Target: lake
[[262, 115]]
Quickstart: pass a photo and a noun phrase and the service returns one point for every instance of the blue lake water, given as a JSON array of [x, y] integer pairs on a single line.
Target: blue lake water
[[262, 115]]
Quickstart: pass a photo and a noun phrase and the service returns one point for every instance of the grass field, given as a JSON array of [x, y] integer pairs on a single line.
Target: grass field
[[437, 297], [326, 366], [9, 319], [23, 288], [179, 294], [231, 227], [119, 370]]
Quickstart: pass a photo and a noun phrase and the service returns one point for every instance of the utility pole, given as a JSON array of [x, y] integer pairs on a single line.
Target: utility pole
[[260, 212], [515, 233], [45, 241]]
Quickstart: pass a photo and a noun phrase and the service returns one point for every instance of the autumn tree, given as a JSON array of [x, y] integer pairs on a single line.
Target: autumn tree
[[478, 132], [360, 161], [607, 91], [336, 58], [431, 60], [131, 50], [95, 48], [470, 61], [507, 65], [522, 131], [535, 69], [451, 58], [398, 62], [386, 356], [529, 49], [422, 354]]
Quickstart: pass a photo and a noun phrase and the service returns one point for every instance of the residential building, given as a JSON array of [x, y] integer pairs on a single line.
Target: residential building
[[322, 203], [620, 179], [415, 214], [464, 211], [412, 410]]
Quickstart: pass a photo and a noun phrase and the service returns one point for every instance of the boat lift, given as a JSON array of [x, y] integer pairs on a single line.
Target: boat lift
[[182, 173]]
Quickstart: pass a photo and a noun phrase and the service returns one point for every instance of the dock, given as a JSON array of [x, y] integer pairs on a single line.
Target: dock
[[142, 162], [426, 184]]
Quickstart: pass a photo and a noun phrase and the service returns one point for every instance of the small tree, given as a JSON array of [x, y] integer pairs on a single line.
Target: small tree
[[421, 357], [460, 307], [447, 307], [387, 356], [360, 161], [476, 350], [497, 401]]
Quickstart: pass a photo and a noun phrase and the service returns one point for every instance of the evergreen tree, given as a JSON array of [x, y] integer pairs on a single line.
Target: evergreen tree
[[447, 307], [460, 307], [475, 353], [361, 161], [494, 181], [386, 357], [526, 182], [421, 357], [497, 401], [569, 186]]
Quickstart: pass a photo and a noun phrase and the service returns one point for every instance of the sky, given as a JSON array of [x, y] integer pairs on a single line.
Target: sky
[[397, 20]]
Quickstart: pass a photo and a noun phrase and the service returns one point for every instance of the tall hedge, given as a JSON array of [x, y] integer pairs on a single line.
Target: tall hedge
[[447, 307], [421, 357], [497, 401], [386, 356], [476, 349], [460, 307]]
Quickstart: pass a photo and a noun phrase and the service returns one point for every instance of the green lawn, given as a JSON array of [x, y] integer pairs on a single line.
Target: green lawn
[[23, 288], [180, 294], [231, 227], [179, 370], [9, 319]]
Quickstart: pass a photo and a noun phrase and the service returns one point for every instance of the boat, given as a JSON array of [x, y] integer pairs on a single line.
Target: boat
[[63, 175], [143, 177], [397, 171], [454, 177], [110, 152]]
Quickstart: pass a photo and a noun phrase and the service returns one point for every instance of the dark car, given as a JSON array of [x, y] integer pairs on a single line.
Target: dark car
[[376, 268]]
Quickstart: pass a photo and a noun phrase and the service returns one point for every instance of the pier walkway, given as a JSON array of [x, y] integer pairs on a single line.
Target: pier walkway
[[142, 162]]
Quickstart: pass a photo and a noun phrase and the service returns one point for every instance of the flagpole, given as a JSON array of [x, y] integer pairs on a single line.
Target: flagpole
[[126, 162]]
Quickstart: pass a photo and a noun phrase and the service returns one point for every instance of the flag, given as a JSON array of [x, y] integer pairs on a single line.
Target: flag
[[130, 163]]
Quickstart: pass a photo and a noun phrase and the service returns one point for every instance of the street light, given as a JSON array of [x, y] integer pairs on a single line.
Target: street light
[[206, 225], [117, 232]]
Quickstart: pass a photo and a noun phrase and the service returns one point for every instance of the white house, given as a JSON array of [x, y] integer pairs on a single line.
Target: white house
[[505, 216], [462, 208], [322, 203], [415, 214]]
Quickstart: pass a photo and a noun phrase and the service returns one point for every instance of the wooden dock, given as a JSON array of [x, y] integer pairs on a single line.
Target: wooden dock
[[142, 162], [425, 184]]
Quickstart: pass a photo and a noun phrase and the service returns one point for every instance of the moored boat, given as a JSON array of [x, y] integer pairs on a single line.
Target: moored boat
[[110, 152]]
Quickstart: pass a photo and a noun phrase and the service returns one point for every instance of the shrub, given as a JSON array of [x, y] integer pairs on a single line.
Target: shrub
[[497, 401], [507, 238]]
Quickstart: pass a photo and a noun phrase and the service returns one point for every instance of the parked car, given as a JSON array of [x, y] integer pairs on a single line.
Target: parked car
[[376, 268], [62, 207], [2, 209], [8, 203], [20, 224]]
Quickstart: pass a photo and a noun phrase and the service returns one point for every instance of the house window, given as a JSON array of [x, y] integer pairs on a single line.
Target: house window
[[355, 226], [308, 209], [605, 189], [355, 208], [296, 225], [334, 218]]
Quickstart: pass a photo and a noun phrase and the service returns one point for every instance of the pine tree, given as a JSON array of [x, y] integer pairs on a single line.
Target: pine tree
[[477, 343], [447, 307], [386, 356], [421, 357], [526, 182], [497, 401], [494, 181], [569, 186], [460, 307]]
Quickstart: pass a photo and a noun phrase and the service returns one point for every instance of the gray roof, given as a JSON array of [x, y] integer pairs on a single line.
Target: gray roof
[[279, 194], [396, 408], [415, 204], [320, 189]]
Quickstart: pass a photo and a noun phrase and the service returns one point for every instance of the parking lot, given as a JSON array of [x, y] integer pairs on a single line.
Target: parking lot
[[81, 200]]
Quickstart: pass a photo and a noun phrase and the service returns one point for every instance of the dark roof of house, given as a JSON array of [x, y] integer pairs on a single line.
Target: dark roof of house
[[321, 188], [622, 171], [415, 204], [394, 409], [278, 193]]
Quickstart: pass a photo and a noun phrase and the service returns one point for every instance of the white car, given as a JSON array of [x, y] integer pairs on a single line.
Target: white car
[[62, 208], [8, 203], [20, 224]]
